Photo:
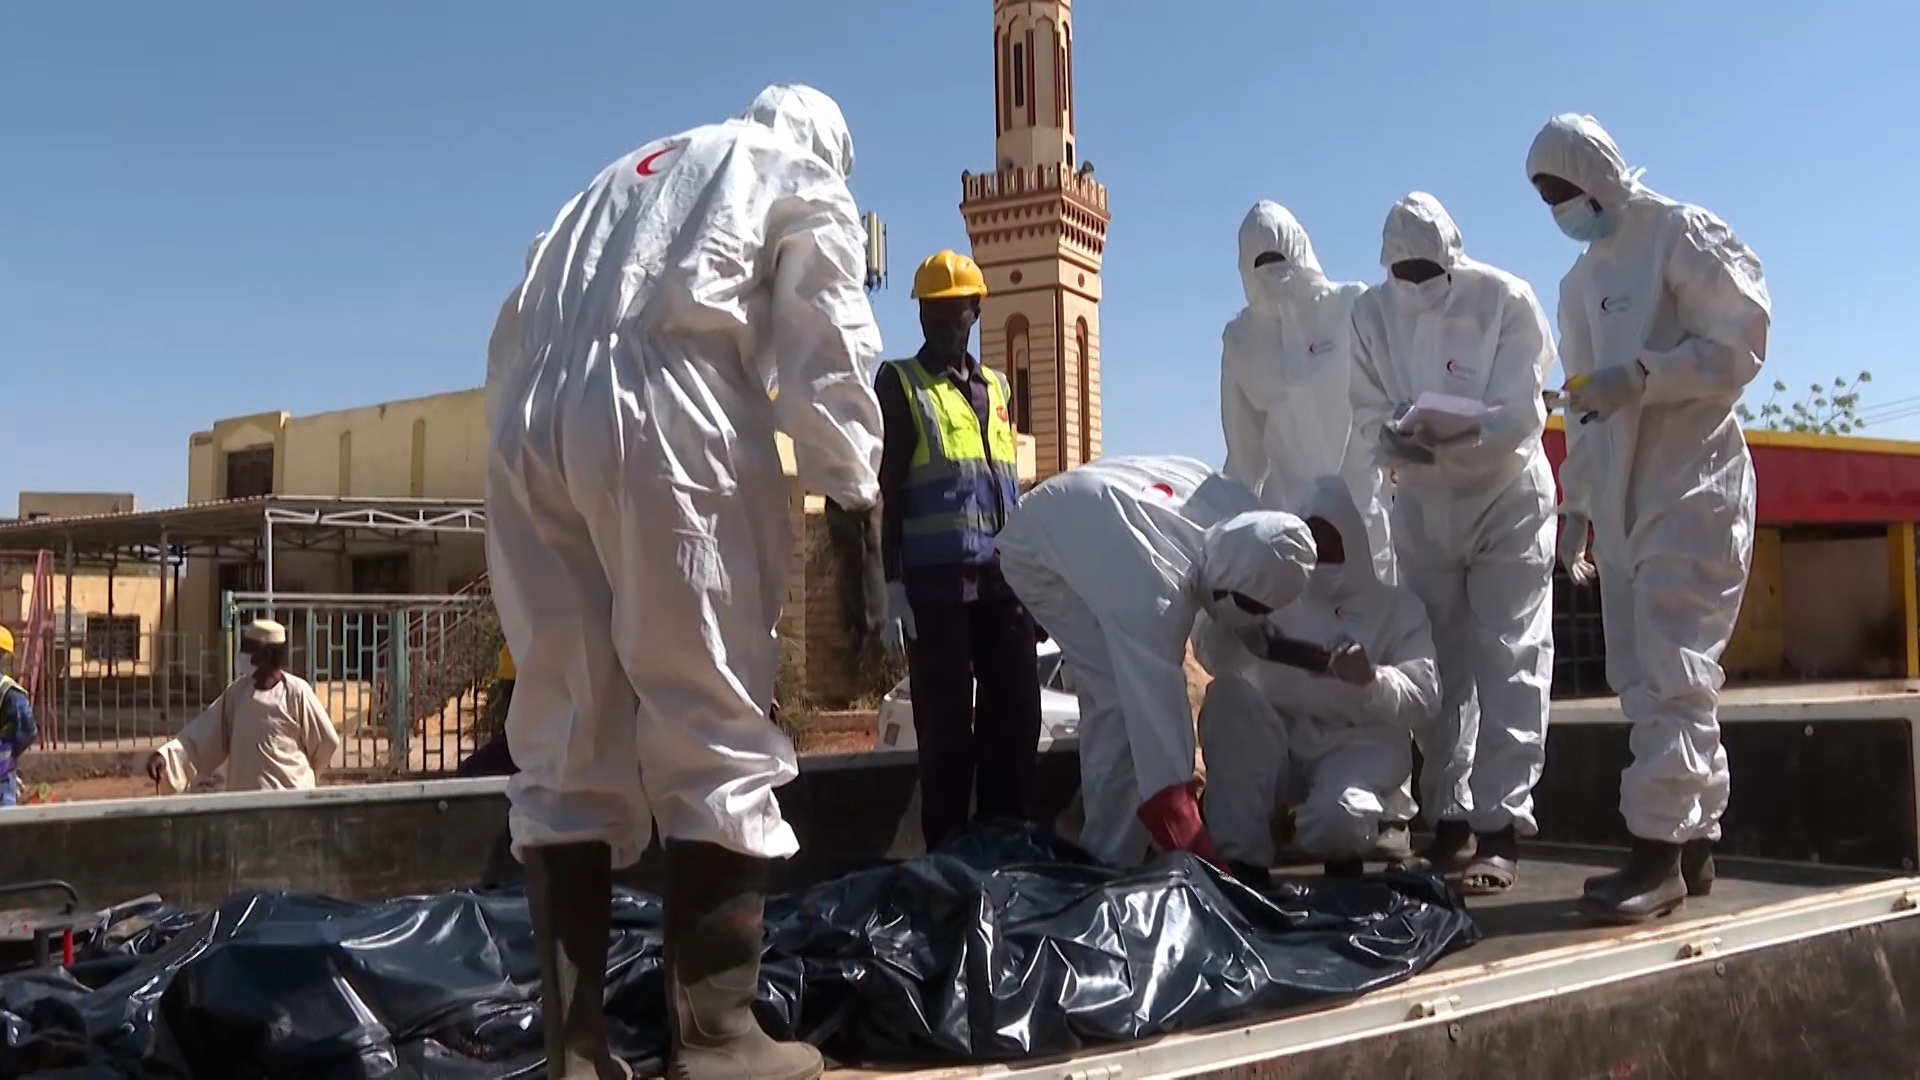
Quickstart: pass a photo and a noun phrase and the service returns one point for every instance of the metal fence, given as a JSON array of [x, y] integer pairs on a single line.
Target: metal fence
[[404, 678]]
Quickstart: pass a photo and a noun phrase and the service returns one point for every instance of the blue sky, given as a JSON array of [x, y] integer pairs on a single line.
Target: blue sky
[[215, 208]]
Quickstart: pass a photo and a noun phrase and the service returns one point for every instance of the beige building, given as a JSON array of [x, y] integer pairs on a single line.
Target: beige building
[[433, 448], [106, 622], [1038, 223], [423, 448]]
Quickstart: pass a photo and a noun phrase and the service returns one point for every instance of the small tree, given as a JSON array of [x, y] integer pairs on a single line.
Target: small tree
[[1829, 409]]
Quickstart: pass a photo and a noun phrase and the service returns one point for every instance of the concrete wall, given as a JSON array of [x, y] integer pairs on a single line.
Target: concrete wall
[[38, 504], [373, 841]]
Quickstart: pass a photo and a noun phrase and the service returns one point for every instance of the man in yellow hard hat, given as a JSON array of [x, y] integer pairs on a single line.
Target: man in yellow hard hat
[[17, 730], [948, 477]]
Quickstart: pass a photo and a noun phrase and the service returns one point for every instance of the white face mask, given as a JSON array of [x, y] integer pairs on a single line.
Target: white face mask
[[1231, 615], [1272, 285]]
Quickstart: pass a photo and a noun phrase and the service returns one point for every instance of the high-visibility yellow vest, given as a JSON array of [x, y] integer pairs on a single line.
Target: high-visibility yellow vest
[[962, 481]]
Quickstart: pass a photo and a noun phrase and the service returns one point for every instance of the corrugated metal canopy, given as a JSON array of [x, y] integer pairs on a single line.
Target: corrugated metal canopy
[[237, 527]]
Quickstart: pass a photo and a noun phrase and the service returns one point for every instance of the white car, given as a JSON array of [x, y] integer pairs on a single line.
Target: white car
[[1059, 707]]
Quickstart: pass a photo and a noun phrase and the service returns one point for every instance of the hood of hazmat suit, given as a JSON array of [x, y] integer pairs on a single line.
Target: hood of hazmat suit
[[807, 118], [1667, 482], [1286, 363], [636, 470], [1332, 750], [1113, 559], [1472, 529]]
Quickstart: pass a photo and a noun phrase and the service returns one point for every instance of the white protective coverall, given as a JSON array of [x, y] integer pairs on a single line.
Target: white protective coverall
[[1667, 482], [1473, 530], [277, 739], [1334, 751], [1115, 558], [1286, 369], [637, 526]]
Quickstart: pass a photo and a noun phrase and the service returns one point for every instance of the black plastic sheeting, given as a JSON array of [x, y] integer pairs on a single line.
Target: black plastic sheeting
[[1004, 945]]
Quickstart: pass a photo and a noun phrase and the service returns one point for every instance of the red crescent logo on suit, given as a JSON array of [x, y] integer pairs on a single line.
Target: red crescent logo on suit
[[649, 165]]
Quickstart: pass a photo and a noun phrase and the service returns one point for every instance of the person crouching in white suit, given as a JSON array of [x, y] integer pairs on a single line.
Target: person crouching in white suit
[[1115, 559], [1333, 744], [638, 539]]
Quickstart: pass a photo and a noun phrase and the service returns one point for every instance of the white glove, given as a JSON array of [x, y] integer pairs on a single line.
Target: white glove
[[1573, 550], [1606, 391], [1351, 664], [899, 628]]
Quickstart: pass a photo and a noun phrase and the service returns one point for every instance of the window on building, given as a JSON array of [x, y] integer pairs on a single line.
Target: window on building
[[250, 473], [382, 575], [1023, 400], [242, 577], [1082, 340], [112, 638], [1019, 76]]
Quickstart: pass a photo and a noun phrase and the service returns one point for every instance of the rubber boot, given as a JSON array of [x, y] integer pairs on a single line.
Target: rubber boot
[[1696, 869], [715, 902], [1451, 848], [1650, 887], [1345, 869], [570, 897]]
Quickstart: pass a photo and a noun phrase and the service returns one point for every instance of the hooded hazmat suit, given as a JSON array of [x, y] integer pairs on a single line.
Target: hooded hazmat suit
[[1473, 529], [1115, 559], [1286, 367], [637, 526], [1667, 482], [1334, 751]]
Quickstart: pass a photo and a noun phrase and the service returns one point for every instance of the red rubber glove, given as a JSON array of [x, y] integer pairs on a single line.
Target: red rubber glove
[[1172, 818]]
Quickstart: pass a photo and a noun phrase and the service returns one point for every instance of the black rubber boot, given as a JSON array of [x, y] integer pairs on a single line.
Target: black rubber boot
[[715, 902], [570, 896], [1257, 878], [1394, 844], [1696, 869], [1649, 888], [1450, 849], [1345, 869]]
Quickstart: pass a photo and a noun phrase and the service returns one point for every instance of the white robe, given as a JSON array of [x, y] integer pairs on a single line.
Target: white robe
[[277, 739]]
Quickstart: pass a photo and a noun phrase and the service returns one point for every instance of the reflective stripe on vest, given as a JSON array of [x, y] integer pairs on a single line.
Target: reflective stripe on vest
[[7, 686], [960, 486]]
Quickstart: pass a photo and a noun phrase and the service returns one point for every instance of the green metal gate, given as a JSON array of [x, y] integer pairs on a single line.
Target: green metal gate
[[404, 678]]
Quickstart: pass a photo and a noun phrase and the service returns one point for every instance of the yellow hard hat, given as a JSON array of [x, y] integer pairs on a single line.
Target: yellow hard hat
[[946, 275], [505, 670], [6, 640]]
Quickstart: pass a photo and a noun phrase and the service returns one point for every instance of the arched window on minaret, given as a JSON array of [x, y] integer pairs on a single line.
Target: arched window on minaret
[[1019, 372], [1081, 340], [1017, 72], [1046, 74], [1002, 112]]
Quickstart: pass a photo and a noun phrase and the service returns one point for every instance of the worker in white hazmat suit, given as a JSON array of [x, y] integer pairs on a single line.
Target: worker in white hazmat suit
[[638, 540], [1334, 743], [1286, 372], [1115, 559], [1663, 323], [1472, 521], [1286, 369]]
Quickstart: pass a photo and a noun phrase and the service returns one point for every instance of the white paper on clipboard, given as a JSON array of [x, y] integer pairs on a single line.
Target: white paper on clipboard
[[1444, 417]]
